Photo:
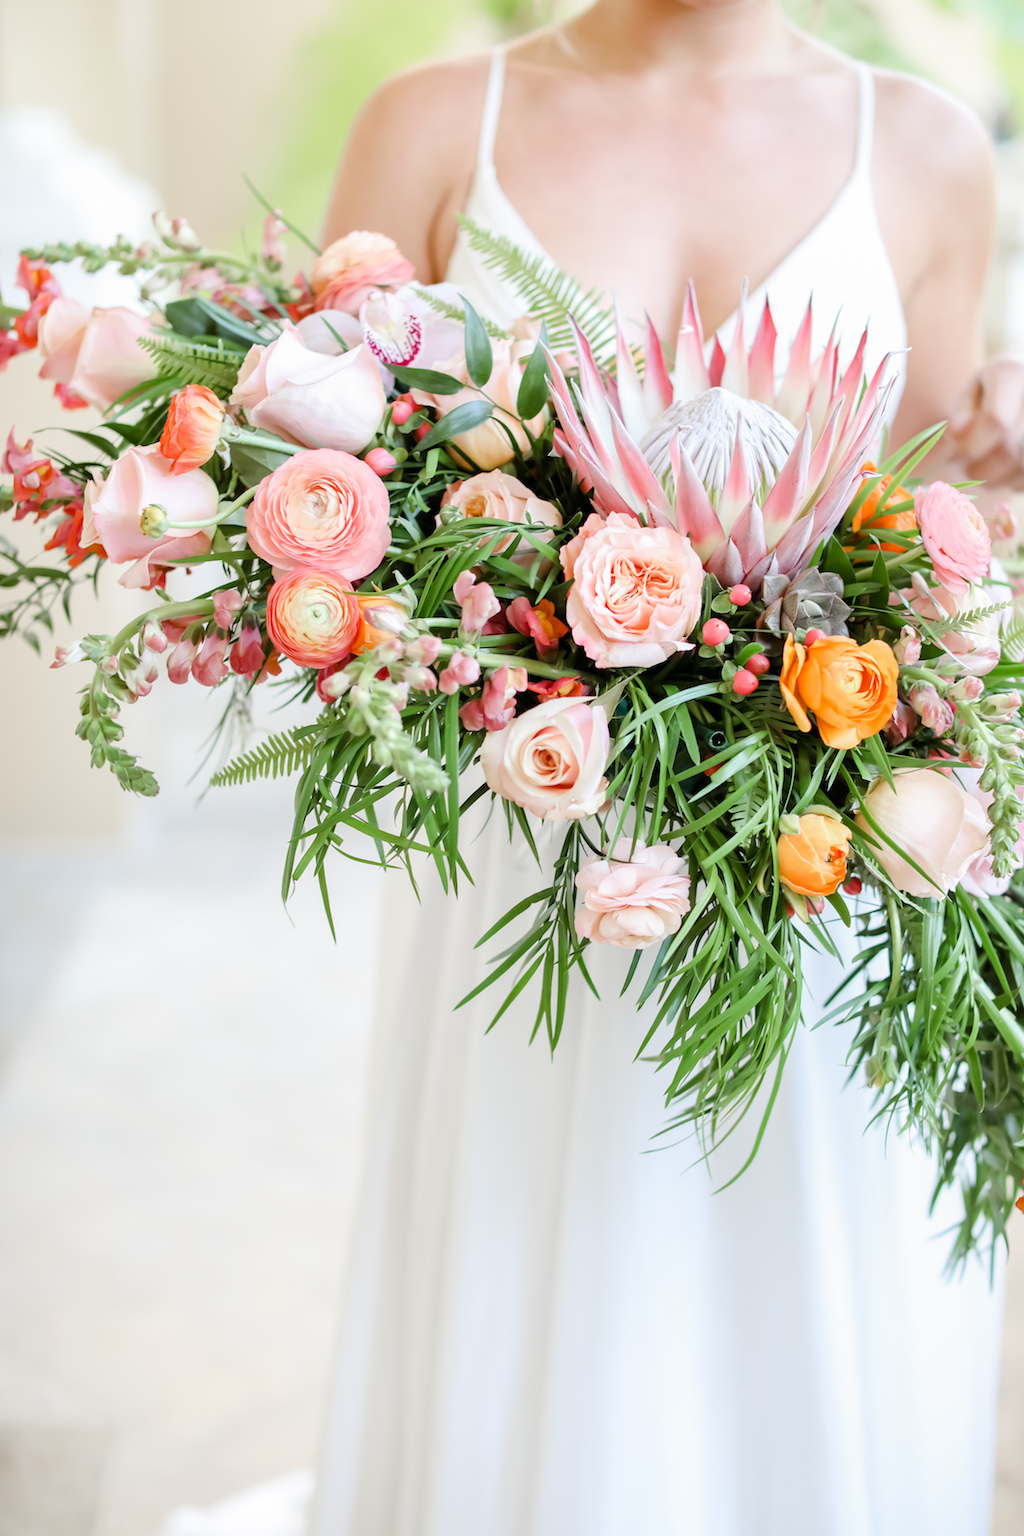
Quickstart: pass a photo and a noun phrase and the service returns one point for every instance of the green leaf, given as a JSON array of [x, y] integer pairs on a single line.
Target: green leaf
[[533, 387], [479, 357], [254, 464], [462, 419], [426, 378]]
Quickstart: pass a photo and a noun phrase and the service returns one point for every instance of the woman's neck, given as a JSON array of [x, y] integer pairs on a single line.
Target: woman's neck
[[697, 37]]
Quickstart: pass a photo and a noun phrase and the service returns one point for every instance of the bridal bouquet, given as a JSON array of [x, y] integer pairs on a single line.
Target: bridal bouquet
[[669, 604]]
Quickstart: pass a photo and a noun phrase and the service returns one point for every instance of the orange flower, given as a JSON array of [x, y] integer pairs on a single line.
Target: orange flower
[[849, 688], [871, 514], [312, 617], [193, 428], [812, 861], [380, 619]]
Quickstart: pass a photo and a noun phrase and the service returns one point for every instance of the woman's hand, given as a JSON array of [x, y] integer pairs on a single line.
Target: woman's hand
[[986, 430]]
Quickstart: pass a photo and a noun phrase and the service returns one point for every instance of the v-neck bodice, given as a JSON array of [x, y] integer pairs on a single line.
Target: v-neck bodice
[[842, 262]]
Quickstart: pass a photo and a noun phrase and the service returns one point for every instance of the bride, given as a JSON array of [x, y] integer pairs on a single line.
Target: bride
[[554, 1326]]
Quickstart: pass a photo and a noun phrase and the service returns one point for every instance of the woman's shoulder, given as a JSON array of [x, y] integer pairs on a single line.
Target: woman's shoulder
[[935, 144]]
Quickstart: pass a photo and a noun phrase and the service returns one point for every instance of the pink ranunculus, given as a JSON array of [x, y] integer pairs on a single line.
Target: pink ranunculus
[[95, 353], [322, 508], [980, 878], [955, 536], [933, 821], [977, 650], [501, 496], [636, 593], [496, 705], [310, 398], [461, 672], [635, 897], [478, 602], [926, 702], [494, 441], [312, 617], [551, 759], [210, 665], [140, 480], [346, 273]]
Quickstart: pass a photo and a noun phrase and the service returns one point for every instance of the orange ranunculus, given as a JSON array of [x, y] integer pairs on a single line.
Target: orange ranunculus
[[193, 428], [380, 619], [312, 617], [871, 515], [849, 688], [812, 861]]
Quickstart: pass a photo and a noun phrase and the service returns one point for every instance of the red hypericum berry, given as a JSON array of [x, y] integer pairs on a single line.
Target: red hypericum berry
[[744, 682], [422, 430], [380, 461], [813, 636], [740, 594], [759, 664], [790, 910], [853, 886], [402, 409], [715, 632]]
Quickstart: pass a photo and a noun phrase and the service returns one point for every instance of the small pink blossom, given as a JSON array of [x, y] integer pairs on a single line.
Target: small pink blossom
[[153, 637], [329, 686], [179, 662], [478, 602], [423, 651], [210, 665], [272, 245], [1002, 521], [139, 679], [65, 655], [422, 679], [247, 652], [903, 721], [540, 623], [496, 705], [907, 649], [933, 710], [225, 606], [461, 671], [969, 689]]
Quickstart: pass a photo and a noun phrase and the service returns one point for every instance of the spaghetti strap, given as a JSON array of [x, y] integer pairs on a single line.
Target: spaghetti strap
[[491, 112], [866, 121]]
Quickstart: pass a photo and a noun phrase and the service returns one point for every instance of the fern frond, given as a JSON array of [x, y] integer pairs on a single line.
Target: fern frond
[[455, 312], [547, 292], [1011, 639], [275, 758], [187, 361]]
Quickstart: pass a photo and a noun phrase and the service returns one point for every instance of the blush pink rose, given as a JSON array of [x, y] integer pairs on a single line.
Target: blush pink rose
[[551, 760], [501, 496], [95, 353], [930, 818], [142, 480], [346, 273], [325, 509], [309, 397], [636, 592], [958, 542], [494, 441], [633, 898], [312, 616]]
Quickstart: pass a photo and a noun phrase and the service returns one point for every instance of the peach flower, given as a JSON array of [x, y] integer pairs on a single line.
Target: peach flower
[[977, 650], [849, 688], [955, 536], [313, 617], [501, 496], [933, 821], [141, 481], [636, 592], [324, 509], [551, 759], [876, 511], [311, 398], [494, 441], [812, 859], [633, 898], [380, 619], [346, 273], [193, 428], [95, 353]]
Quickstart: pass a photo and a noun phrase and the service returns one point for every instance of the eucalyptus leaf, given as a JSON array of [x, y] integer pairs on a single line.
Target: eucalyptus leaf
[[462, 419], [479, 356]]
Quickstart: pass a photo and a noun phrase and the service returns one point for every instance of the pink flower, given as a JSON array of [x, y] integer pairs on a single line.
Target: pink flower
[[139, 679], [907, 649], [636, 592], [478, 602], [541, 624], [210, 664], [327, 691], [153, 637], [559, 688], [95, 353], [501, 496], [324, 509], [955, 536], [225, 606], [933, 821], [633, 898], [247, 652], [977, 650], [310, 398], [180, 659], [933, 710], [272, 249], [551, 759], [312, 616], [902, 723], [461, 671], [494, 441], [345, 274], [142, 481], [980, 879], [423, 651], [496, 705]]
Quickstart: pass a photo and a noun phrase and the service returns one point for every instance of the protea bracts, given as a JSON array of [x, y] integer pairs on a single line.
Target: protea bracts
[[755, 473]]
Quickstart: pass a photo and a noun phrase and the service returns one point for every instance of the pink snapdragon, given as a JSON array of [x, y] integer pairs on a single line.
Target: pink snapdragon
[[179, 662], [225, 606], [461, 671], [423, 651], [247, 652], [210, 665], [478, 602], [933, 710], [496, 705]]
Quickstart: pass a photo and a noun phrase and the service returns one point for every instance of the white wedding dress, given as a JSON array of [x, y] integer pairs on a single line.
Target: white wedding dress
[[554, 1326]]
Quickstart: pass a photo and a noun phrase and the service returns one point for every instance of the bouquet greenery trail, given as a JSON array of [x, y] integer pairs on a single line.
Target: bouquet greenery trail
[[669, 604]]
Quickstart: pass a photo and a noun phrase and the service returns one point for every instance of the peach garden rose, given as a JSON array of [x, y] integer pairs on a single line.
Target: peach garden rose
[[323, 508], [551, 759], [501, 496]]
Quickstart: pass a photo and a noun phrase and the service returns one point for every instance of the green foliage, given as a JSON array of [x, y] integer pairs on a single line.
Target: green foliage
[[277, 757], [100, 728], [182, 361]]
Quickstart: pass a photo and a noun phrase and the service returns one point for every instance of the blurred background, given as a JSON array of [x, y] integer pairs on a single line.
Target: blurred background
[[178, 1132]]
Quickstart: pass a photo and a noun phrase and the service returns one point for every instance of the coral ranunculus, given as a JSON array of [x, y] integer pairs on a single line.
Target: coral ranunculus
[[850, 689], [313, 617], [955, 536], [812, 861], [193, 428], [635, 897], [875, 511], [347, 272], [551, 759], [636, 592], [324, 509]]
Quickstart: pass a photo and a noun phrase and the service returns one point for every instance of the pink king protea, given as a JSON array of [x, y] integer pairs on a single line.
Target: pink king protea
[[756, 475]]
